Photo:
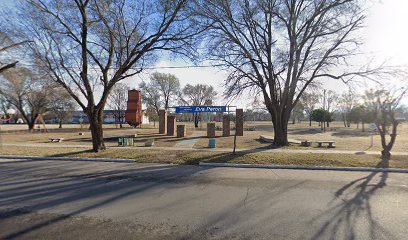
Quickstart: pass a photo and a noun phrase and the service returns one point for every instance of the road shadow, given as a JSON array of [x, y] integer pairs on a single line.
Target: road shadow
[[62, 184], [351, 206]]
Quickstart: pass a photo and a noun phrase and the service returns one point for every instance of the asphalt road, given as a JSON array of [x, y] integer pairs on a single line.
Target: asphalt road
[[100, 200]]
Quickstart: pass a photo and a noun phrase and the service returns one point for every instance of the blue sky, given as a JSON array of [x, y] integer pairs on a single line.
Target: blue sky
[[386, 38]]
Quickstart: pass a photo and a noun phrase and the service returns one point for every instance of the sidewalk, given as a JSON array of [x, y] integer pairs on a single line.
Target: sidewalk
[[263, 150]]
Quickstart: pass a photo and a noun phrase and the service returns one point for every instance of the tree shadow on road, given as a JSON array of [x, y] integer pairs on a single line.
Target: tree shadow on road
[[351, 206], [61, 186]]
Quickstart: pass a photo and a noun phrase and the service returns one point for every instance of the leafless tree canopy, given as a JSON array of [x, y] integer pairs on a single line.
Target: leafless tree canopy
[[88, 46], [199, 94], [383, 103], [118, 101], [6, 45], [280, 47], [29, 92], [161, 91]]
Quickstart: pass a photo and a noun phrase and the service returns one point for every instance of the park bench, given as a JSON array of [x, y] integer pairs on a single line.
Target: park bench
[[149, 142], [305, 143], [330, 143], [56, 139]]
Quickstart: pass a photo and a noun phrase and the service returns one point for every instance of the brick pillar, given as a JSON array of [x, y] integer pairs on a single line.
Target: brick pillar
[[211, 130], [239, 122], [162, 121], [226, 126], [181, 131], [171, 125]]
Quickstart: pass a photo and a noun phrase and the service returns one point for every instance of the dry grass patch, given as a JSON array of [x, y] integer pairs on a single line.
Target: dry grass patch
[[307, 159], [194, 157]]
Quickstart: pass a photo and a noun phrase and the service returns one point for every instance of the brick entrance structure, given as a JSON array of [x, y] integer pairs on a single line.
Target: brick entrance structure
[[133, 114], [239, 122], [171, 125], [162, 121], [211, 130], [181, 131], [226, 126]]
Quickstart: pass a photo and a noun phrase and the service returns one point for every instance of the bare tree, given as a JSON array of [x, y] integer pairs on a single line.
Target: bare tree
[[168, 85], [29, 92], [330, 101], [118, 101], [61, 105], [6, 44], [152, 114], [197, 95], [347, 102], [281, 47], [151, 97], [297, 112], [383, 104], [310, 100], [88, 46], [160, 91]]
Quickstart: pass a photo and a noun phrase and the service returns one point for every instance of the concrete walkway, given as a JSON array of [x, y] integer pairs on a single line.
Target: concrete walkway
[[190, 141], [182, 148]]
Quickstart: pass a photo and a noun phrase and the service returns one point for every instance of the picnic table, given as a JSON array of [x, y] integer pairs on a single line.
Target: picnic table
[[56, 139], [330, 143]]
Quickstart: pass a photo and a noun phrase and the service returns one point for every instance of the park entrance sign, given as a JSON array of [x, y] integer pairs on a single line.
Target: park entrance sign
[[200, 109], [168, 124]]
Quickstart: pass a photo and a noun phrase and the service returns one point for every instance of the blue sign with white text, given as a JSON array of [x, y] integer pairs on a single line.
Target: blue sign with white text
[[200, 109]]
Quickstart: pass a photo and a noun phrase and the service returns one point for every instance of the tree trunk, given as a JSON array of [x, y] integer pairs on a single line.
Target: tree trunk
[[60, 124], [96, 128], [310, 121], [385, 155], [344, 120], [280, 126], [31, 125], [280, 135]]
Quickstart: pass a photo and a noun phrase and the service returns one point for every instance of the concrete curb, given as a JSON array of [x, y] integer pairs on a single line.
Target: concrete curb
[[67, 159], [352, 169]]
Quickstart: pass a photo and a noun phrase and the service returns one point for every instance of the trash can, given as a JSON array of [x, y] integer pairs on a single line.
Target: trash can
[[130, 142], [212, 143], [120, 141]]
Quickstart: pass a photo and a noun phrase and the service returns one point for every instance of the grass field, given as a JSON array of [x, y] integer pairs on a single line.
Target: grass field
[[352, 139], [193, 157], [346, 138]]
